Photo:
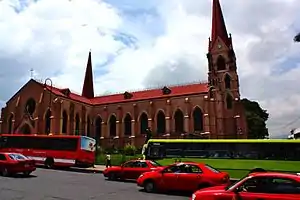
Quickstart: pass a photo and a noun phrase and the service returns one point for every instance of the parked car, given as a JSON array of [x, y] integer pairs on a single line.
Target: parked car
[[186, 176], [131, 169], [13, 163], [266, 185]]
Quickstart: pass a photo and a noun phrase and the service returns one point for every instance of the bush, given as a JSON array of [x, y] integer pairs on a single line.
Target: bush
[[129, 150]]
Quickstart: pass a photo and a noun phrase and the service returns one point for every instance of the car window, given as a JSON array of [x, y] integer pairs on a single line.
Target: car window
[[142, 164], [284, 186], [212, 169], [173, 169], [17, 157], [129, 164], [156, 164], [2, 157], [193, 169], [256, 185]]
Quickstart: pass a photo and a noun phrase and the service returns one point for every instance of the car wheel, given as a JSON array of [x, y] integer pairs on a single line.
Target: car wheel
[[112, 176], [5, 172], [49, 162], [26, 173], [149, 186]]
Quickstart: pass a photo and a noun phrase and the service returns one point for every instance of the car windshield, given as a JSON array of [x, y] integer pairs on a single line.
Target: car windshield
[[156, 164], [17, 157], [212, 169], [235, 183]]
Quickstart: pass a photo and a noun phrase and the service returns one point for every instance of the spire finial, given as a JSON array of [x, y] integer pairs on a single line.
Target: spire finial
[[88, 85]]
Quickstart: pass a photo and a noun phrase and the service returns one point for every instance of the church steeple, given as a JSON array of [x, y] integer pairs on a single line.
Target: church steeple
[[218, 26], [88, 85]]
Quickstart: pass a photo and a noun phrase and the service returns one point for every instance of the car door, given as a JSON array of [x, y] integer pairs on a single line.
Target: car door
[[169, 178], [190, 178], [141, 167], [128, 170]]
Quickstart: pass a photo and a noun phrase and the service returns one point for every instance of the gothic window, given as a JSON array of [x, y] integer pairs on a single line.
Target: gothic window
[[25, 129], [127, 125], [10, 123], [88, 128], [198, 119], [179, 121], [143, 123], [221, 64], [64, 122], [98, 128], [229, 102], [160, 122], [227, 81], [48, 121], [113, 126], [77, 124], [30, 106]]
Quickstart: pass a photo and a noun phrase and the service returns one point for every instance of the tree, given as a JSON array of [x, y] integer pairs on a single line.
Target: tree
[[297, 38], [256, 119]]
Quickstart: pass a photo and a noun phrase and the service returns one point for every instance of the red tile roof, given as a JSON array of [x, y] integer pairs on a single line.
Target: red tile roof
[[180, 90]]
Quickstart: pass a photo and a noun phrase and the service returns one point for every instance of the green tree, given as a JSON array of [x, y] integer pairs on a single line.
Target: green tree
[[256, 119]]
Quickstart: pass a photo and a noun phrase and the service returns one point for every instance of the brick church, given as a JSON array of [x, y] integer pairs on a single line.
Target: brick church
[[210, 109]]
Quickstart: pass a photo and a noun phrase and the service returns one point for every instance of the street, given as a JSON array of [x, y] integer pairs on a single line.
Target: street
[[67, 185]]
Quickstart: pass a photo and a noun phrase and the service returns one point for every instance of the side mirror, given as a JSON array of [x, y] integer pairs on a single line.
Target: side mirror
[[238, 189]]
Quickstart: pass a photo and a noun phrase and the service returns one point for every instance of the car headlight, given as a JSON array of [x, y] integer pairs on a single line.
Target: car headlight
[[193, 197]]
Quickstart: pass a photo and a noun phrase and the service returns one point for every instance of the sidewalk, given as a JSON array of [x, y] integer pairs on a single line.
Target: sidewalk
[[95, 169]]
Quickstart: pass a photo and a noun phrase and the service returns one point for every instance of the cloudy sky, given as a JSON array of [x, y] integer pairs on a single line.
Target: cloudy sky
[[137, 44]]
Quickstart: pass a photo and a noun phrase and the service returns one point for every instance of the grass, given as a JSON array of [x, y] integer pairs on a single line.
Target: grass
[[236, 168]]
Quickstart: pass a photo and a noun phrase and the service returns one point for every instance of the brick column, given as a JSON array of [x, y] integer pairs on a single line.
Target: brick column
[[151, 116], [167, 117], [186, 115]]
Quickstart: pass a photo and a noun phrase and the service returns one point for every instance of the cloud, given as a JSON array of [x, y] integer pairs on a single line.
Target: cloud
[[136, 45]]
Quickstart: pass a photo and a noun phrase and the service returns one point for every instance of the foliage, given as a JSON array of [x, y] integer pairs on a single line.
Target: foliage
[[256, 119], [129, 150]]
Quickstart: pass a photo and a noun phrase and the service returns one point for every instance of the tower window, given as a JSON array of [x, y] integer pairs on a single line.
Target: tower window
[[227, 81], [221, 64], [229, 101]]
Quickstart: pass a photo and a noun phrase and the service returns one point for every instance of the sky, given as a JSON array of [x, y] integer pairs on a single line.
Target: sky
[[141, 44]]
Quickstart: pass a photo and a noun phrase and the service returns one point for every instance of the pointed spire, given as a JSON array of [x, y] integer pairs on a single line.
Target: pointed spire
[[88, 85], [218, 23]]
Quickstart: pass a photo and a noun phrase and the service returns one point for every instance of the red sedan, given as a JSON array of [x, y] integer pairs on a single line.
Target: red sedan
[[266, 186], [130, 170], [13, 163], [188, 176]]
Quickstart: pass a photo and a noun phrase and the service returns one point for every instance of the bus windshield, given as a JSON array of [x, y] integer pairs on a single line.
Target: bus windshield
[[88, 144]]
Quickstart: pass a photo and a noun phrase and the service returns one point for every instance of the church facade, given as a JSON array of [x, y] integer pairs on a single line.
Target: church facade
[[210, 109]]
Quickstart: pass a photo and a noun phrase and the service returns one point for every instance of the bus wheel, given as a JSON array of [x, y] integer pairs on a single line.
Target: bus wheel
[[49, 162]]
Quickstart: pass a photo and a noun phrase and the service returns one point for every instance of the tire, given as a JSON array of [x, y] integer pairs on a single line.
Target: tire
[[27, 173], [112, 176], [5, 172], [49, 162], [149, 186]]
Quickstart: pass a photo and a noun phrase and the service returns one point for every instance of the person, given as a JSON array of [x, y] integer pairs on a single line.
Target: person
[[108, 160]]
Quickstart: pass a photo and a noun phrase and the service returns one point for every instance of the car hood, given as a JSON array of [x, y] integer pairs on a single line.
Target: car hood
[[112, 168], [220, 188]]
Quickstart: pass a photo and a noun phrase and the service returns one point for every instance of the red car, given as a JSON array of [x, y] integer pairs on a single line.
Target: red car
[[187, 176], [263, 185], [13, 163], [130, 170]]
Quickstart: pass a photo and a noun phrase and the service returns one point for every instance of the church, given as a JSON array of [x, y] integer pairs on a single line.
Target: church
[[210, 109]]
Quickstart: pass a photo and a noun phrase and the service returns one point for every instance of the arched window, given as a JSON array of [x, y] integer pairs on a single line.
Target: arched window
[[198, 119], [88, 127], [77, 124], [25, 129], [179, 123], [160, 122], [64, 122], [229, 101], [113, 126], [143, 123], [227, 81], [98, 128], [48, 121], [221, 64], [10, 123], [30, 106], [127, 125]]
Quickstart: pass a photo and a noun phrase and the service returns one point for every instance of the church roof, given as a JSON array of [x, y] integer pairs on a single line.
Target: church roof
[[179, 90]]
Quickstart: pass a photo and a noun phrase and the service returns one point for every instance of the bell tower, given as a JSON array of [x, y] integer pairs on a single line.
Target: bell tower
[[222, 74]]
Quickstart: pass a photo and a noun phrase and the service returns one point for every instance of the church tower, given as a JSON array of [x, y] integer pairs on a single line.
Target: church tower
[[222, 77], [88, 85]]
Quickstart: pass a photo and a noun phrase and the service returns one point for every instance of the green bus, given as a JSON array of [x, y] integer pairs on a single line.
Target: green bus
[[237, 156]]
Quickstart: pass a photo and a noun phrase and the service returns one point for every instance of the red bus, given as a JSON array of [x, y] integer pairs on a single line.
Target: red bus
[[54, 150]]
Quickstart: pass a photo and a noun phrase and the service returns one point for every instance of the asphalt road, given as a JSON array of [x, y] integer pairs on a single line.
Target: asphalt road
[[66, 185]]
